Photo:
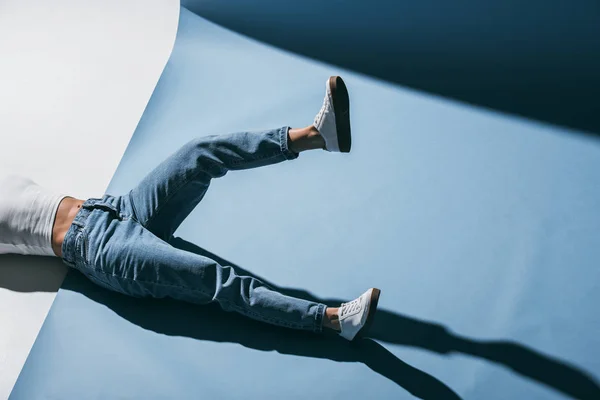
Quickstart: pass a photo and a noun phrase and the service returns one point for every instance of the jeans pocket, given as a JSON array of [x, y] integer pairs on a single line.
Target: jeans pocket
[[88, 268]]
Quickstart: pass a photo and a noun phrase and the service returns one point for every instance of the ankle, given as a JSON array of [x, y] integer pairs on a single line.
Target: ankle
[[312, 131], [331, 319], [307, 138]]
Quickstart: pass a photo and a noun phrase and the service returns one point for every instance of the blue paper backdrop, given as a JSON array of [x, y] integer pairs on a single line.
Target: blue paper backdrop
[[482, 231]]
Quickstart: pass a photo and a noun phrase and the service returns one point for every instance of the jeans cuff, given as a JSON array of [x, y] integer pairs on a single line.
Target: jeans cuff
[[319, 315], [283, 143]]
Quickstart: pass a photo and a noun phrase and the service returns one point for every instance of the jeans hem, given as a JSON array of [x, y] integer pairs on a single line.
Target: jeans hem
[[319, 315], [284, 145]]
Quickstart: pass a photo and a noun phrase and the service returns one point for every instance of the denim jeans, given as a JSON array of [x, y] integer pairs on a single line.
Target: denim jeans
[[122, 242]]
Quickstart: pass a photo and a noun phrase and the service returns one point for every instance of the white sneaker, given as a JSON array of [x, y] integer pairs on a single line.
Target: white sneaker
[[356, 316], [333, 120]]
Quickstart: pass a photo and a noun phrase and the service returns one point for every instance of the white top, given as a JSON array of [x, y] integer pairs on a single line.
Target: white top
[[27, 214]]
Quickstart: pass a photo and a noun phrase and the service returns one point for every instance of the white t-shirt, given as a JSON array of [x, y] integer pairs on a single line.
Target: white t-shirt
[[27, 214]]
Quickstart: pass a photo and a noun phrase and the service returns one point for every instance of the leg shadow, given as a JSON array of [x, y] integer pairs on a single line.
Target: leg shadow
[[398, 329], [552, 372], [181, 319], [27, 274], [174, 318]]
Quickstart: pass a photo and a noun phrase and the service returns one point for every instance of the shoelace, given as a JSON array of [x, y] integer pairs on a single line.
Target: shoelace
[[322, 110], [347, 308]]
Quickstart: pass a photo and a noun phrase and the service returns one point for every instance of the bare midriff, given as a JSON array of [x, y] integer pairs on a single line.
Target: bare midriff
[[67, 210]]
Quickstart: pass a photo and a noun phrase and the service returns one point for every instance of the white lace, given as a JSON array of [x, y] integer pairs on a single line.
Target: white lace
[[325, 122], [351, 307], [323, 109]]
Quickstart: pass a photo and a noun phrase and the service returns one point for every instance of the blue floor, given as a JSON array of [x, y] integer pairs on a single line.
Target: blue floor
[[482, 231]]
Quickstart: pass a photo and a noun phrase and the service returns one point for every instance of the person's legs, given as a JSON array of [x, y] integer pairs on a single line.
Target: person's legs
[[166, 196], [303, 139], [150, 267]]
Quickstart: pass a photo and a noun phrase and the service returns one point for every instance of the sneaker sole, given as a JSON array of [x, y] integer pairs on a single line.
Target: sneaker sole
[[372, 309], [341, 107]]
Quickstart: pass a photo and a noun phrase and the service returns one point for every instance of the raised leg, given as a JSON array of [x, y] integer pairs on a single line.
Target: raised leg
[[166, 196]]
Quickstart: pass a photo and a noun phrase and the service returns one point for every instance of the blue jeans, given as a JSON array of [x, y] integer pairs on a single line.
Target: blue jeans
[[122, 242]]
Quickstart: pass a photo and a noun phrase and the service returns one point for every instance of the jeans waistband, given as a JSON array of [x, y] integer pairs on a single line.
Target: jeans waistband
[[93, 203]]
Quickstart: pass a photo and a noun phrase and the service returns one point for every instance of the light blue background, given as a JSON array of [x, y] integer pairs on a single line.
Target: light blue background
[[476, 222]]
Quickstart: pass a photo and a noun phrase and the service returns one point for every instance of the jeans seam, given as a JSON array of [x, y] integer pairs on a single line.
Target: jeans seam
[[258, 316], [84, 242], [239, 309], [133, 209], [262, 158], [148, 282]]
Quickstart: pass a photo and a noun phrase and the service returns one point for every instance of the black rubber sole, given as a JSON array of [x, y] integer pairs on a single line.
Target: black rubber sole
[[341, 107], [372, 309]]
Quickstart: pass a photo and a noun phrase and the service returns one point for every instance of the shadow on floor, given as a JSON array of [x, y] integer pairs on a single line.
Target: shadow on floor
[[181, 319], [31, 274], [537, 59]]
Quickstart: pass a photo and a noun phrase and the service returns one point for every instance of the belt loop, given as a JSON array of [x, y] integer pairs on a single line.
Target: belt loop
[[88, 204]]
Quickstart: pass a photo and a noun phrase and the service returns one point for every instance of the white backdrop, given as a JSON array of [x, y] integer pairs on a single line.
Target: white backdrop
[[75, 77]]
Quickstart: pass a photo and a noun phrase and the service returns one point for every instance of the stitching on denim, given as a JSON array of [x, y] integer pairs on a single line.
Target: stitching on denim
[[283, 143], [318, 327], [288, 153], [149, 282], [84, 245], [262, 318], [241, 310], [263, 158]]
